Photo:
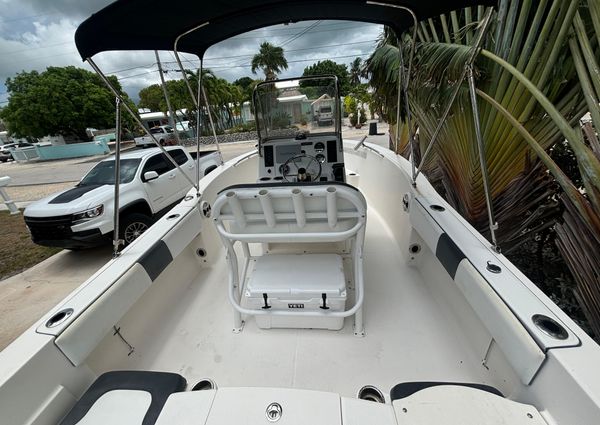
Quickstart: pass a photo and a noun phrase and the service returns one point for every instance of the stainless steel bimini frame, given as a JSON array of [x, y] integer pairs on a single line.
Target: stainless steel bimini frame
[[403, 83], [121, 102], [403, 80], [468, 74]]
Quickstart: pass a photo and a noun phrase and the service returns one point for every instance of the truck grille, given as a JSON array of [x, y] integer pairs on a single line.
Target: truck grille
[[49, 228]]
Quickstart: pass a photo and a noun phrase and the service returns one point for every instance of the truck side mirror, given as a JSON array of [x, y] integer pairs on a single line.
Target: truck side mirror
[[150, 175]]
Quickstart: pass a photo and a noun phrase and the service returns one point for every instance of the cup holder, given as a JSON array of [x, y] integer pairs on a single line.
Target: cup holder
[[205, 384], [371, 393], [59, 317], [550, 326]]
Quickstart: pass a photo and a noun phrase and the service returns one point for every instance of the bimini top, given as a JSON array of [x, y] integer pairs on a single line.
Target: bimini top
[[156, 24]]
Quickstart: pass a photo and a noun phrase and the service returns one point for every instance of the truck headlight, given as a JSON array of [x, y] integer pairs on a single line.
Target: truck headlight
[[86, 215]]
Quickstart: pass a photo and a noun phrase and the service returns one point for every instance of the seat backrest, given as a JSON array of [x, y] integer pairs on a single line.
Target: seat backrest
[[290, 212]]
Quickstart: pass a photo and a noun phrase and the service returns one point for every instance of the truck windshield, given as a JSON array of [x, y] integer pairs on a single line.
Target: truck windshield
[[104, 172]]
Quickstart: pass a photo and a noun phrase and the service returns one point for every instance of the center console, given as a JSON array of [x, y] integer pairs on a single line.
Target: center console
[[321, 157]]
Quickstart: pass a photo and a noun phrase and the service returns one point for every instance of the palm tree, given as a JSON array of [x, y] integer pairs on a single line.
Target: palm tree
[[537, 75], [270, 59], [355, 71]]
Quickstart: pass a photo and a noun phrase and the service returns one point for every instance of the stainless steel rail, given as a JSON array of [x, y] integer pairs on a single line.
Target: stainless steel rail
[[138, 120], [116, 241], [473, 54]]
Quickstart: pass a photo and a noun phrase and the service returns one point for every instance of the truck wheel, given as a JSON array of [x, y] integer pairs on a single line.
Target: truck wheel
[[133, 225], [162, 142]]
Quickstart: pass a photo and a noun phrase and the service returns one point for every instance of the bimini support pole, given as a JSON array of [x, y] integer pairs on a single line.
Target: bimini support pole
[[138, 120], [473, 54], [116, 241], [411, 136], [198, 126], [403, 80], [212, 124], [172, 117], [197, 100], [482, 161]]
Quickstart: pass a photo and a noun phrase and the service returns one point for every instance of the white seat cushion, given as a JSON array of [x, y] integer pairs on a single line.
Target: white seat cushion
[[118, 407]]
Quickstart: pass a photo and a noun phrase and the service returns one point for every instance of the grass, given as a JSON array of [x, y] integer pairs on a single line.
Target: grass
[[17, 251]]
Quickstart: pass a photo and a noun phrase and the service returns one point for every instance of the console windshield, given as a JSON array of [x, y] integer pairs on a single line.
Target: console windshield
[[299, 107]]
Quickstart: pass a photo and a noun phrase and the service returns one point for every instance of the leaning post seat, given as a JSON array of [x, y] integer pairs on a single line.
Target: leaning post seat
[[293, 213], [125, 397]]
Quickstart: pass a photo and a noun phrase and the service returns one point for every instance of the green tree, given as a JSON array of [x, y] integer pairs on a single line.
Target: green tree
[[59, 101], [270, 59], [329, 67], [151, 97], [246, 84], [355, 71]]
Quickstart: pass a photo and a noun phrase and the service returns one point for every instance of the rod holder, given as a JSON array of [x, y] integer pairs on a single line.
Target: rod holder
[[267, 207], [298, 201], [332, 217], [236, 209]]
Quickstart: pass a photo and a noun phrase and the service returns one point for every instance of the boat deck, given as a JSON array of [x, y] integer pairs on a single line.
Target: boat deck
[[408, 336]]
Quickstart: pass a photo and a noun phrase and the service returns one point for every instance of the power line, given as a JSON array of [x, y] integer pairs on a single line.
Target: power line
[[249, 65], [292, 50], [281, 35], [300, 34], [27, 17], [132, 68], [287, 30], [137, 75], [45, 57], [297, 61], [36, 48]]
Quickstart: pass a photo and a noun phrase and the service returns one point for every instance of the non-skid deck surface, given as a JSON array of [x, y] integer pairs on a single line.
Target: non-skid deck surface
[[408, 337]]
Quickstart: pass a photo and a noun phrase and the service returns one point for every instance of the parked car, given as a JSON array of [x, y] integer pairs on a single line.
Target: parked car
[[150, 185], [325, 115], [163, 133], [5, 150]]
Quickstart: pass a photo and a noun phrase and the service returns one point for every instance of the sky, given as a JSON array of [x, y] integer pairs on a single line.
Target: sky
[[35, 34]]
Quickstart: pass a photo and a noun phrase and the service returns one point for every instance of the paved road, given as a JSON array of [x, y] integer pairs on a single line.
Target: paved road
[[71, 170]]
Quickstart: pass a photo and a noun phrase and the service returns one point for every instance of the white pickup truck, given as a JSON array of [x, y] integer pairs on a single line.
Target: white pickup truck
[[150, 185], [163, 133]]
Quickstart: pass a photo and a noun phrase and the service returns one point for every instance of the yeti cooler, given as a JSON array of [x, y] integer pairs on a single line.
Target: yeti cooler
[[297, 283]]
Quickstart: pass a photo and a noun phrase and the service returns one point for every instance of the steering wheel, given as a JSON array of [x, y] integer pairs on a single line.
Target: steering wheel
[[304, 167]]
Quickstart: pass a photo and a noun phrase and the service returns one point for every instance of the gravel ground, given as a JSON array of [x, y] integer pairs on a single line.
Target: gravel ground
[[224, 138]]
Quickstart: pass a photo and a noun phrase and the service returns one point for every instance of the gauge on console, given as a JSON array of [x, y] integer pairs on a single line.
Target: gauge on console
[[319, 147], [320, 157], [284, 169]]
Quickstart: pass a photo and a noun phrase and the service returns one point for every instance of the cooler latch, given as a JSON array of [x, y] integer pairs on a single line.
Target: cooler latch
[[266, 297], [324, 306]]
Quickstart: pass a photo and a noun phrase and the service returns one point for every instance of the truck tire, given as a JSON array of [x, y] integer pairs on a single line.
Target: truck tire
[[162, 142], [132, 226]]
